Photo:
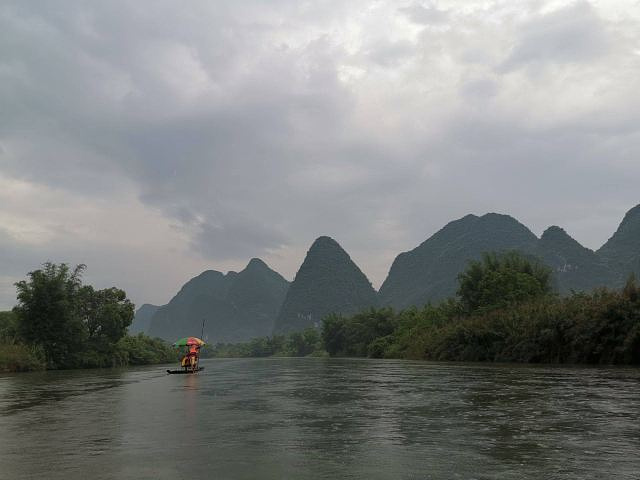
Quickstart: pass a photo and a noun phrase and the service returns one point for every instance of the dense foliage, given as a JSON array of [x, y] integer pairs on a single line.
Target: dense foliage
[[500, 280], [61, 323], [14, 355], [598, 328], [8, 327], [143, 350], [296, 344]]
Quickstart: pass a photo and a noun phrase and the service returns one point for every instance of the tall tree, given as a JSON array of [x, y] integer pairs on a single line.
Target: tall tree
[[499, 280], [48, 312], [106, 314], [74, 324]]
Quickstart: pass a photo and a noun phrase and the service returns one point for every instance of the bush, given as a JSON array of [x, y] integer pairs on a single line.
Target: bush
[[598, 328], [20, 358], [500, 280], [143, 350]]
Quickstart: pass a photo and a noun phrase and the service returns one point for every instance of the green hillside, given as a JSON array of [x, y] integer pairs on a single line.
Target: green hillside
[[429, 272], [574, 266], [235, 306], [327, 282], [622, 250]]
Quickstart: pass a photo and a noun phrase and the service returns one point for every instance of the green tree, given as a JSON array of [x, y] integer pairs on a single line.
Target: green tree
[[499, 280], [301, 344], [106, 314], [333, 334], [74, 325], [48, 313]]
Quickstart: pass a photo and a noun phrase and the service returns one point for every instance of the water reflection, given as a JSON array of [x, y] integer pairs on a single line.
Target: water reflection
[[321, 418]]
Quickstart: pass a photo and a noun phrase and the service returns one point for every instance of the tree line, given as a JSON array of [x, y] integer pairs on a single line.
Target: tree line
[[505, 310], [61, 323], [296, 344]]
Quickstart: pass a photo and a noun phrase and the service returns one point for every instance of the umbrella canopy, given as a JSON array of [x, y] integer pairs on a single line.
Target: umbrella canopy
[[188, 341]]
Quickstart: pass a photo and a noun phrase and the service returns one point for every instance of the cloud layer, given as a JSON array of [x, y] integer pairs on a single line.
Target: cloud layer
[[152, 141]]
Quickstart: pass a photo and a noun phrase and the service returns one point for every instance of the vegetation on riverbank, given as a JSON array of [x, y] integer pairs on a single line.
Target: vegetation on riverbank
[[296, 344], [505, 311], [61, 323]]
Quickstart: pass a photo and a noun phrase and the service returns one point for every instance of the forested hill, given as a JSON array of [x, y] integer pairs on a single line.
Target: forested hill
[[258, 301], [428, 272], [235, 306], [574, 266], [622, 250], [327, 282]]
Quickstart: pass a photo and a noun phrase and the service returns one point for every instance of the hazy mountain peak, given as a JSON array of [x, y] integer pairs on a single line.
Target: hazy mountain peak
[[554, 230], [622, 250], [256, 263], [631, 219], [325, 241], [328, 281], [429, 271], [557, 234], [237, 306]]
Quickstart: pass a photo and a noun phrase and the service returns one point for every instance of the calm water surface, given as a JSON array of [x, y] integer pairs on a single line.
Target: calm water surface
[[319, 418]]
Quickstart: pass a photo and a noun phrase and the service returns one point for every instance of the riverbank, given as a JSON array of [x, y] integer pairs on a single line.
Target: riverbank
[[19, 358], [602, 327], [129, 351]]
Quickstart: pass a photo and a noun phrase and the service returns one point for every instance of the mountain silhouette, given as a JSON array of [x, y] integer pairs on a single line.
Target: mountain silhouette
[[234, 307], [327, 282]]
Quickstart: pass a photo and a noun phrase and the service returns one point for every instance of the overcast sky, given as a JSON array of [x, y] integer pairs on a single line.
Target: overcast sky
[[152, 140]]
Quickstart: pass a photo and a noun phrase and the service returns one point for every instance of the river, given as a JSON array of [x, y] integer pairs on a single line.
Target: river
[[322, 418]]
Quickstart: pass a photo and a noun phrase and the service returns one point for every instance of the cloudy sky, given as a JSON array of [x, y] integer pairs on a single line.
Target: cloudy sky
[[153, 139]]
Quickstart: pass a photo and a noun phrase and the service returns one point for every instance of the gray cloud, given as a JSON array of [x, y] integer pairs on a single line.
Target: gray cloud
[[574, 33], [152, 142], [427, 14]]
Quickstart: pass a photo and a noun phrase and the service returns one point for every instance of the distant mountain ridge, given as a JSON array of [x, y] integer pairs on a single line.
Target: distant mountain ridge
[[235, 307], [428, 273], [575, 267], [258, 301]]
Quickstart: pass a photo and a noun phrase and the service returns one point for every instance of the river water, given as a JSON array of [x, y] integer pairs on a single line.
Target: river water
[[322, 418]]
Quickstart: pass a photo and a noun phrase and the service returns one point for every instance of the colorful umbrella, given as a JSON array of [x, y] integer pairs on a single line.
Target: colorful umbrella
[[188, 341]]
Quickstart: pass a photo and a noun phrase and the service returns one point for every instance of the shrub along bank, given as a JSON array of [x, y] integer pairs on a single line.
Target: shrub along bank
[[61, 323], [505, 312]]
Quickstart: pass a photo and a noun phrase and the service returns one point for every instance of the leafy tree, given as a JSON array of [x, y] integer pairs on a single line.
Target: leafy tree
[[352, 336], [107, 314], [499, 280], [74, 325], [141, 350], [48, 312], [333, 334]]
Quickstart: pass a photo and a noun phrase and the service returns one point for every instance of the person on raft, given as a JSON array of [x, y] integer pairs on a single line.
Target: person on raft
[[190, 360]]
